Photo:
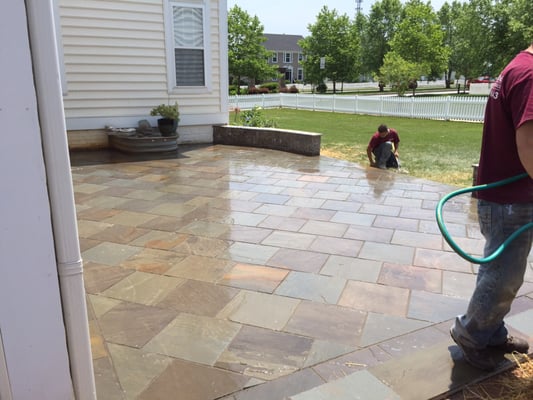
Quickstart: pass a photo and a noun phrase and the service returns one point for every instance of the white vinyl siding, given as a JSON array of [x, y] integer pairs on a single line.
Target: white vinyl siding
[[114, 57], [116, 63]]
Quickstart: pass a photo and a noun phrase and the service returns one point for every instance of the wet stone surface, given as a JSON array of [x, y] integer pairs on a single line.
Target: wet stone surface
[[271, 276]]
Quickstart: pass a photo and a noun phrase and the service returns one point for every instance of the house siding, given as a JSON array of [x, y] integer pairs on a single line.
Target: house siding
[[116, 69], [280, 44]]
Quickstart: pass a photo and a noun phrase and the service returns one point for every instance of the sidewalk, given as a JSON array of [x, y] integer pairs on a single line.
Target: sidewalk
[[237, 273]]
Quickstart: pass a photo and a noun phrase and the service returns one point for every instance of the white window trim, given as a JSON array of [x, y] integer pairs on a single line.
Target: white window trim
[[300, 74], [285, 57], [169, 44], [275, 57]]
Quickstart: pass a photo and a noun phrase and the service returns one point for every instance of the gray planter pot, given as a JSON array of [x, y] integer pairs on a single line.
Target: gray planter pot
[[167, 126]]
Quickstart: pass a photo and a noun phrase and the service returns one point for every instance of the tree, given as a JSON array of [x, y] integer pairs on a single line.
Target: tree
[[490, 33], [399, 73], [470, 52], [419, 39], [382, 23], [512, 30], [520, 26], [448, 15], [247, 57], [358, 29], [332, 38]]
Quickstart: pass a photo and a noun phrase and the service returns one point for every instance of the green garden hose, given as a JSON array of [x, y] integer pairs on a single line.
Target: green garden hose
[[447, 236]]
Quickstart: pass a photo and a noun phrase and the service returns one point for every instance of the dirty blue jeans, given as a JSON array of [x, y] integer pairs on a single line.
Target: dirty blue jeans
[[499, 280]]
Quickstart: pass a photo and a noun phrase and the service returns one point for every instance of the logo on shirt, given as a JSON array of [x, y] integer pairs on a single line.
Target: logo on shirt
[[496, 87]]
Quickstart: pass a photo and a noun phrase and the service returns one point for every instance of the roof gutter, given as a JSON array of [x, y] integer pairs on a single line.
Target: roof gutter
[[55, 149]]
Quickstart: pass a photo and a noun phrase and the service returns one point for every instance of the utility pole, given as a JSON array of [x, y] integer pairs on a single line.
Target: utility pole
[[358, 6]]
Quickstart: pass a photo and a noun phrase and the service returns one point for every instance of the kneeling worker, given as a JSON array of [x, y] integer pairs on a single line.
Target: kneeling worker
[[383, 146]]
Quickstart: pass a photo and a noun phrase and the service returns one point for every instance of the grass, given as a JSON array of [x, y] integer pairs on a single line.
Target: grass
[[441, 151]]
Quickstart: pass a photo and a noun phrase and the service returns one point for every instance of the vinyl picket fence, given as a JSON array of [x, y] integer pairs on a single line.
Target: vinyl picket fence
[[449, 108]]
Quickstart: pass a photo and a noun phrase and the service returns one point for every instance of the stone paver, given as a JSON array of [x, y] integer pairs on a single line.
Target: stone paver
[[240, 273]]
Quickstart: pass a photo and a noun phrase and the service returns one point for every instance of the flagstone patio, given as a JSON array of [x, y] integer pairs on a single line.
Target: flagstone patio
[[236, 273]]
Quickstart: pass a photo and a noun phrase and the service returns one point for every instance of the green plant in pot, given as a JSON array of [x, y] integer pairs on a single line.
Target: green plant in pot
[[170, 116]]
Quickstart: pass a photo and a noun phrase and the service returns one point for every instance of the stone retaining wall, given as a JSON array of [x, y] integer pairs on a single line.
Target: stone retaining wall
[[299, 142]]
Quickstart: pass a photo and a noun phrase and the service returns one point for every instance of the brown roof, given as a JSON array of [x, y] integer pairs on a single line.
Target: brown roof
[[277, 42]]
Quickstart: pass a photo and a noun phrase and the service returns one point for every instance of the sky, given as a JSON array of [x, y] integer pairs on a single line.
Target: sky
[[292, 16]]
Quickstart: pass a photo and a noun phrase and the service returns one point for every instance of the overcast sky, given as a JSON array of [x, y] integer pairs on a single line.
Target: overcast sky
[[293, 16]]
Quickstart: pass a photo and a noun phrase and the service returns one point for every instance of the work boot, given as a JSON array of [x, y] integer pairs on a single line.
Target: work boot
[[511, 345], [479, 358]]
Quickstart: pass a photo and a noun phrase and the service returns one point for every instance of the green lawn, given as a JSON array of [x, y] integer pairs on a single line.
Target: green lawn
[[441, 151]]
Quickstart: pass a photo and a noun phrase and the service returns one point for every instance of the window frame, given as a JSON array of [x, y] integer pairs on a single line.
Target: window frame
[[275, 58], [170, 49], [287, 57]]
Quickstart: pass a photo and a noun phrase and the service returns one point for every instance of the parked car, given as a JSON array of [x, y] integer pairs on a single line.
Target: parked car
[[480, 79]]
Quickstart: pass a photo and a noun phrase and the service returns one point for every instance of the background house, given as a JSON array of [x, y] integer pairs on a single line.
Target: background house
[[287, 55], [123, 57]]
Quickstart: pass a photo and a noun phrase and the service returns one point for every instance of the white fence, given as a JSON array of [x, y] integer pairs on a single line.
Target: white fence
[[438, 107]]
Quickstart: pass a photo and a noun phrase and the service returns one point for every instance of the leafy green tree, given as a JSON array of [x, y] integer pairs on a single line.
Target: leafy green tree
[[380, 28], [470, 51], [512, 30], [358, 29], [331, 38], [419, 39], [399, 73], [499, 38], [247, 57], [520, 26], [491, 33], [448, 15]]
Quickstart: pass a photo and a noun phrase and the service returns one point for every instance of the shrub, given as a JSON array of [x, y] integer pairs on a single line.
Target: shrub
[[322, 88], [255, 118], [167, 111], [271, 86], [294, 89], [257, 90]]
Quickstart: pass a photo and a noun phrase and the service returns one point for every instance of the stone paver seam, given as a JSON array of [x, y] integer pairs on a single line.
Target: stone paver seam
[[105, 343]]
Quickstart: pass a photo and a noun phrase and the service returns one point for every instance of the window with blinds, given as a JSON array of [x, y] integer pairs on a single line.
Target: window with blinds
[[188, 34]]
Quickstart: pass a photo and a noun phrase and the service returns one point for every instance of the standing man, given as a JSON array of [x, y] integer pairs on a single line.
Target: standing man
[[383, 146], [506, 151]]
